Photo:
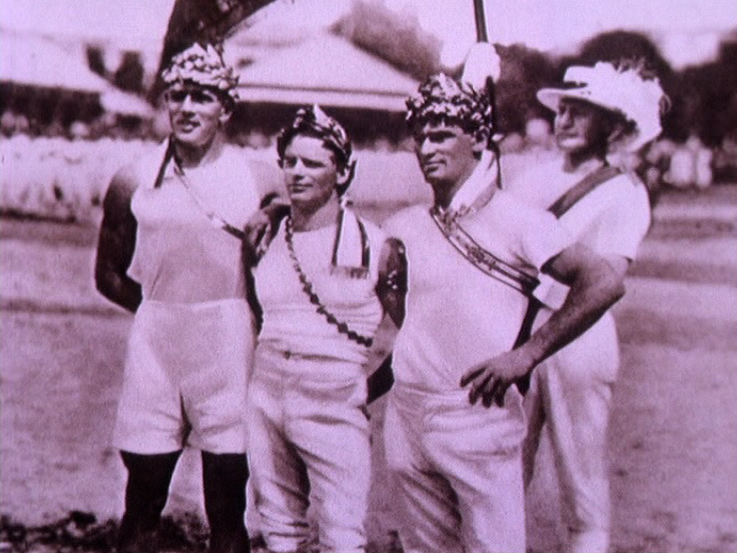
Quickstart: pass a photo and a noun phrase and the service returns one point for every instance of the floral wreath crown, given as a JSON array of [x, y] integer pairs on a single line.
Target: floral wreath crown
[[441, 97], [312, 120], [202, 65]]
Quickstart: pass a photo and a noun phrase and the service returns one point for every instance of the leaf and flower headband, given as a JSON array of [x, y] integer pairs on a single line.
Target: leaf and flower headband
[[202, 65], [441, 97], [313, 121]]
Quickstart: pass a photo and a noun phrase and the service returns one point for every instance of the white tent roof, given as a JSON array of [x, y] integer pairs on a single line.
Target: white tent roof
[[125, 103], [327, 70], [37, 61], [33, 60]]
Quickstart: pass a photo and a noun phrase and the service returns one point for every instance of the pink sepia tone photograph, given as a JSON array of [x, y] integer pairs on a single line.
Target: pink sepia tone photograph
[[373, 276]]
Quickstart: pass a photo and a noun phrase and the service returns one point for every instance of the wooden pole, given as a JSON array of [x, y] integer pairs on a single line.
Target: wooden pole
[[482, 34]]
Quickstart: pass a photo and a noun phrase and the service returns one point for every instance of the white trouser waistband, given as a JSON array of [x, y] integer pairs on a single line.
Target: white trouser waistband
[[285, 363]]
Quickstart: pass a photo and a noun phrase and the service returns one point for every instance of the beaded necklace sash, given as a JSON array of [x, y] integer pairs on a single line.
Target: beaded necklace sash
[[309, 290]]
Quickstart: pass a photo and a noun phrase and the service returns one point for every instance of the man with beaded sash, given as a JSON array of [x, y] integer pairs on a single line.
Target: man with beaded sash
[[324, 283], [475, 259], [170, 250]]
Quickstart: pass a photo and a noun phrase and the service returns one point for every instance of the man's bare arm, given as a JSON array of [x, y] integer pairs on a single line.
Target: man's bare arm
[[392, 291], [261, 228], [274, 206], [116, 244], [392, 284], [596, 283]]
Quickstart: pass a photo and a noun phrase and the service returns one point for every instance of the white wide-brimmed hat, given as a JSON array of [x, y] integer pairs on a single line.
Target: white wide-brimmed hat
[[639, 99]]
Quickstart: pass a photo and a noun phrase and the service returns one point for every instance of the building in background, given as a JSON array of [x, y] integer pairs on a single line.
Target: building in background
[[364, 91], [47, 88]]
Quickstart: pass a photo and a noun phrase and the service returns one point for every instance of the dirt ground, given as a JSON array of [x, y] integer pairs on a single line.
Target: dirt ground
[[674, 427]]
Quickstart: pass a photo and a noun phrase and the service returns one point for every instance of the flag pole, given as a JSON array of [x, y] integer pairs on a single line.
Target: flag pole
[[475, 67], [482, 34]]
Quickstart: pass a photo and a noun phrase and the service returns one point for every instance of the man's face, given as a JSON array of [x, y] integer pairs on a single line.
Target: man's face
[[580, 127], [196, 113], [446, 153], [310, 172]]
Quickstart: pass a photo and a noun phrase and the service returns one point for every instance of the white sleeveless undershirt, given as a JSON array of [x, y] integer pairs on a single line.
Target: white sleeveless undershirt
[[291, 322], [180, 256]]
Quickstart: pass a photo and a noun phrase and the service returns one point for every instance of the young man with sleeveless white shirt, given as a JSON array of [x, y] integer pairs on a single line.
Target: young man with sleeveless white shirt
[[473, 260], [605, 109], [324, 283], [170, 251]]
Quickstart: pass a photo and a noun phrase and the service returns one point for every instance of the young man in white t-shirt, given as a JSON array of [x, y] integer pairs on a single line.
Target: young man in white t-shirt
[[612, 109], [454, 422]]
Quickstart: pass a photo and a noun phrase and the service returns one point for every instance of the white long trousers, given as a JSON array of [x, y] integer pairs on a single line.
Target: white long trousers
[[309, 446], [459, 470], [571, 394]]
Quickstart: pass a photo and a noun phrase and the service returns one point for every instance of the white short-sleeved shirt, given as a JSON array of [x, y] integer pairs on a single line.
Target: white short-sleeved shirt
[[458, 316], [611, 219]]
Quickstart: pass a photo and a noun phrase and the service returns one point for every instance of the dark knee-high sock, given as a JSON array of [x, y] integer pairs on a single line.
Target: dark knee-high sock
[[149, 477], [224, 480]]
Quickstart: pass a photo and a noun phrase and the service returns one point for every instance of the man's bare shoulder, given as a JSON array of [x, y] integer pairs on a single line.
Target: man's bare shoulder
[[123, 184], [532, 183], [266, 174], [134, 174]]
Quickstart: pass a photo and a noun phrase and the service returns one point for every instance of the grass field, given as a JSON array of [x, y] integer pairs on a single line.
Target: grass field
[[673, 435]]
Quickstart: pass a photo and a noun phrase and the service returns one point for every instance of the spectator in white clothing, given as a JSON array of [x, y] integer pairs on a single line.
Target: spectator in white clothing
[[602, 114]]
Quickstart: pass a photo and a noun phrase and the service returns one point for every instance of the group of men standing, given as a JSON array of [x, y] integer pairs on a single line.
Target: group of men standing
[[504, 326]]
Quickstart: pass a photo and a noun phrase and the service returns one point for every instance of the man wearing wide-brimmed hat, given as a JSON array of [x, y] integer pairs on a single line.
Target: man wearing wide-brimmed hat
[[603, 114], [170, 251], [455, 422]]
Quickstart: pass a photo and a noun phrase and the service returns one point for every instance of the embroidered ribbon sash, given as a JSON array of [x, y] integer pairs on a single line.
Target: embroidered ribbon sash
[[479, 257], [498, 269]]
